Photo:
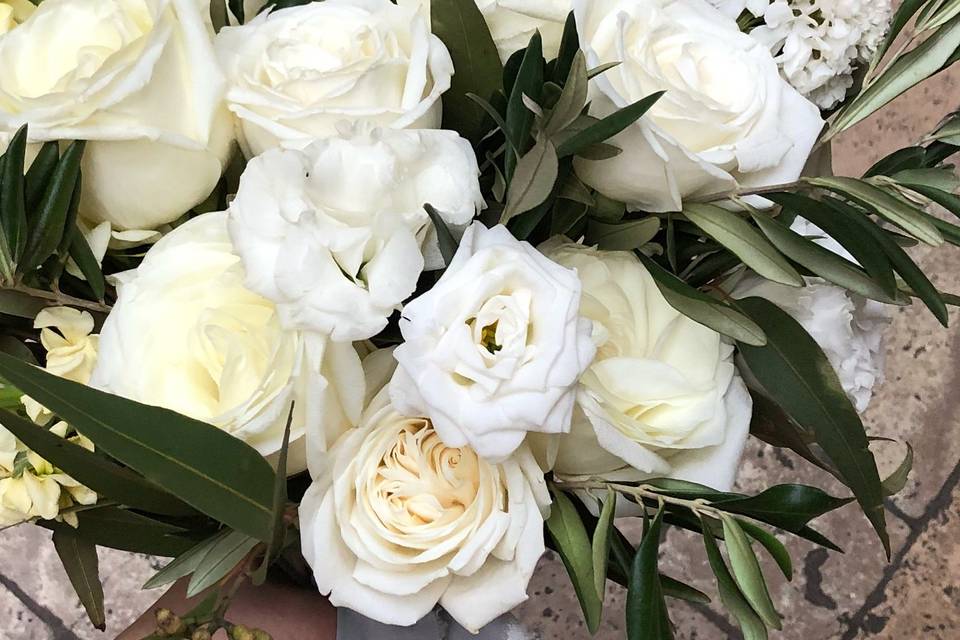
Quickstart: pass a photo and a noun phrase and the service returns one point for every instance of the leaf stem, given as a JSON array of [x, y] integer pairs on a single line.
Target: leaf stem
[[755, 191], [60, 298], [698, 506]]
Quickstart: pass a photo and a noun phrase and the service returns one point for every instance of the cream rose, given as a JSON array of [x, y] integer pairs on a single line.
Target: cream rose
[[400, 522], [662, 397], [727, 119], [513, 22], [494, 349], [295, 73], [139, 81], [333, 234], [186, 334]]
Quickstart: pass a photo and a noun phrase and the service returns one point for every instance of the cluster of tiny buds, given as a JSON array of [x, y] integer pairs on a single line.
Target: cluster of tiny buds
[[171, 625]]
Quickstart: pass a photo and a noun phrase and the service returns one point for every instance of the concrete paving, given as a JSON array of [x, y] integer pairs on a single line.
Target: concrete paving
[[844, 597]]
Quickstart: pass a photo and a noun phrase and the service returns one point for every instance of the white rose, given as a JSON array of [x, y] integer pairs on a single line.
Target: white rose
[[662, 397], [294, 73], [333, 234], [727, 118], [186, 334], [513, 22], [848, 327], [495, 348], [139, 81], [400, 522]]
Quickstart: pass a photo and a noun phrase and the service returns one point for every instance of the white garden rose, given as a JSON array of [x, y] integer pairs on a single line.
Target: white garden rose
[[401, 521], [662, 398], [294, 73], [513, 22], [848, 327], [727, 119], [188, 335], [493, 351], [137, 79], [336, 234]]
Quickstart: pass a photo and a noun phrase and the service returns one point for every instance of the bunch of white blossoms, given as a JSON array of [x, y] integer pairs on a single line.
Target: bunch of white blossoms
[[817, 43]]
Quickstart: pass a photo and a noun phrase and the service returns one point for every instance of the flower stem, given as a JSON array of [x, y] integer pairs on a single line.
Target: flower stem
[[60, 298]]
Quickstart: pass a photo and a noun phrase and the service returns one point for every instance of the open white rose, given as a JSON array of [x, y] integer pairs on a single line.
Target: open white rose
[[188, 335], [662, 397], [513, 22], [294, 73], [400, 522], [848, 327], [333, 234], [727, 118], [494, 349], [137, 79]]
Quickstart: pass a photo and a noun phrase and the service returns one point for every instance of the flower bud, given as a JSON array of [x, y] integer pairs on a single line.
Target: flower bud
[[201, 634], [260, 634], [168, 623], [240, 632]]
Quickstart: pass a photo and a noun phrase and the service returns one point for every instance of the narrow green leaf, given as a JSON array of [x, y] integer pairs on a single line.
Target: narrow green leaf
[[737, 235], [222, 557], [533, 180], [570, 537], [948, 201], [88, 264], [519, 120], [79, 558], [769, 541], [702, 308], [797, 375], [823, 262], [569, 48], [747, 573], [940, 178], [787, 506], [38, 176], [13, 214], [600, 544], [647, 617], [91, 469], [200, 464], [448, 244], [673, 588], [899, 160], [607, 127], [572, 99], [902, 16], [185, 563], [622, 236], [462, 28], [118, 528], [902, 263], [21, 305], [51, 220], [909, 70], [897, 480], [750, 623]]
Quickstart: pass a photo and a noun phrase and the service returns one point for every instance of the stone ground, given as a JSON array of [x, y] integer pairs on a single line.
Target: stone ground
[[843, 597]]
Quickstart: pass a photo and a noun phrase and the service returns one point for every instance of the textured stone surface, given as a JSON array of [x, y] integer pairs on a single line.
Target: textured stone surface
[[857, 595]]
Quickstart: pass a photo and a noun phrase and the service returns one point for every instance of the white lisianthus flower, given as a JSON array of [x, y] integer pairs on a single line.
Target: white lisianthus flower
[[188, 335], [662, 398], [513, 22], [819, 43], [401, 521], [848, 327], [727, 119], [336, 234], [137, 79], [31, 487], [295, 73], [67, 335], [494, 349]]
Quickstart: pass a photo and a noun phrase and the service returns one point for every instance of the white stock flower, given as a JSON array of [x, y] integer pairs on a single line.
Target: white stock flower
[[294, 73], [333, 234], [400, 522], [139, 81], [494, 349], [31, 487], [662, 398], [727, 119], [818, 43], [67, 336], [186, 334], [848, 327]]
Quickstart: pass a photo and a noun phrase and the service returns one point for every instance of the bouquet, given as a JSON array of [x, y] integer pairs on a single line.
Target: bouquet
[[394, 297]]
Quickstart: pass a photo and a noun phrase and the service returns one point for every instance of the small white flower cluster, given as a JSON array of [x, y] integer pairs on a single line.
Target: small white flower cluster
[[817, 43]]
